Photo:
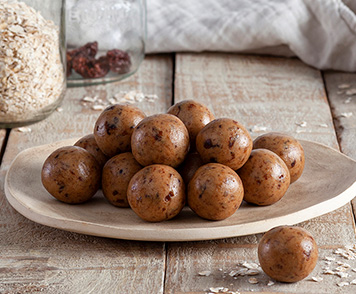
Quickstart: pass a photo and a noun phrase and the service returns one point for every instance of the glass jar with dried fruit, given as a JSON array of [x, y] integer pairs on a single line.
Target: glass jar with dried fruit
[[32, 55], [105, 40]]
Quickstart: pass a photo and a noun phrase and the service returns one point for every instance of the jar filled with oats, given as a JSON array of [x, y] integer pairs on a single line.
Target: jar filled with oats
[[32, 60], [105, 40]]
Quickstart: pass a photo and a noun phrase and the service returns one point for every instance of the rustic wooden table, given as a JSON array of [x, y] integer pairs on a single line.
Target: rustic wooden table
[[277, 94]]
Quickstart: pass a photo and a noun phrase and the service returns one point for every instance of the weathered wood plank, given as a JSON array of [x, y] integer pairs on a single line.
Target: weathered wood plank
[[277, 94], [36, 258], [340, 87]]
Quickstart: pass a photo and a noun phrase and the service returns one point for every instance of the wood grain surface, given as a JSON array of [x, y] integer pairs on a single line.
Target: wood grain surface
[[278, 94], [341, 88], [265, 94], [35, 258]]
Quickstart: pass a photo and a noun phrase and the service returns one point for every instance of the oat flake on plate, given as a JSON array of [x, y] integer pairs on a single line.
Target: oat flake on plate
[[31, 71]]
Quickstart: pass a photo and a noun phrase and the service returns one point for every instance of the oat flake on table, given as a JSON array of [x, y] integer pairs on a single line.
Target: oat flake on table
[[31, 72]]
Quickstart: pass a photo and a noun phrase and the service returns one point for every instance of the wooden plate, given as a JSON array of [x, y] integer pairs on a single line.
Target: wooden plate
[[328, 182]]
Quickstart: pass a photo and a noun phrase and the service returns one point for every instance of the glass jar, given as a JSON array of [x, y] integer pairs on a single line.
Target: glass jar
[[105, 40], [32, 60]]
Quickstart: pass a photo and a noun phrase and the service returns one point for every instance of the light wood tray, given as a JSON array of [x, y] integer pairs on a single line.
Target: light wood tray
[[328, 182]]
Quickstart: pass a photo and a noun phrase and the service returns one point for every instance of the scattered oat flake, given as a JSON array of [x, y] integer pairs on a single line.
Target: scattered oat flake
[[323, 125], [89, 99], [316, 279], [218, 289], [250, 265], [98, 107], [253, 272], [270, 283], [343, 264], [205, 273], [346, 114], [256, 129], [348, 100], [59, 109], [302, 124], [328, 272], [233, 273], [24, 130], [342, 274], [353, 282], [351, 92], [354, 270], [343, 86], [253, 281], [342, 284]]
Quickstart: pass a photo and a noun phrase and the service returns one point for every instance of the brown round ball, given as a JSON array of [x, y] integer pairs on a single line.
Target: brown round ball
[[288, 254], [117, 173], [89, 144], [114, 127], [224, 141], [265, 177], [194, 115], [189, 166], [156, 193], [215, 192], [160, 139], [71, 174], [287, 148]]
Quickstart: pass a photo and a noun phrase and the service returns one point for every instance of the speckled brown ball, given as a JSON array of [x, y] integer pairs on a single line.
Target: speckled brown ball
[[114, 127], [71, 174], [194, 115], [190, 165], [116, 176], [287, 148], [288, 254], [215, 192], [160, 139], [224, 141], [88, 143], [265, 177], [156, 193]]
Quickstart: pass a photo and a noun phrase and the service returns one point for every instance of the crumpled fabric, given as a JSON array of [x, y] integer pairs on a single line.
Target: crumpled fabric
[[322, 33]]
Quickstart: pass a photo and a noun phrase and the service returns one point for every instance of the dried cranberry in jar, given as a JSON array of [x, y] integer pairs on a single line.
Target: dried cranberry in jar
[[119, 61]]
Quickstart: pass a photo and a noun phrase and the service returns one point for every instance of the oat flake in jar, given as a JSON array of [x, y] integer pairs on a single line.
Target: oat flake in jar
[[32, 71]]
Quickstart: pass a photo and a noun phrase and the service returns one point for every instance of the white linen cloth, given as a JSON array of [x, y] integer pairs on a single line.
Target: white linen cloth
[[322, 33]]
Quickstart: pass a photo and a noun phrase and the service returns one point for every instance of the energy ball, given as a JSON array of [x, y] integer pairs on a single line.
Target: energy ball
[[215, 192], [116, 176], [71, 174], [224, 141], [114, 127], [160, 139], [287, 148], [190, 165], [88, 143], [265, 177], [194, 115], [287, 254], [156, 193]]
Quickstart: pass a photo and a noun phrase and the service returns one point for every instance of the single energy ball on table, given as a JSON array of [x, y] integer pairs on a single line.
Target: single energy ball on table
[[117, 173], [215, 192], [287, 254], [114, 127], [265, 177], [71, 174], [156, 193], [189, 166], [160, 139], [225, 141], [287, 148], [88, 142], [194, 115]]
